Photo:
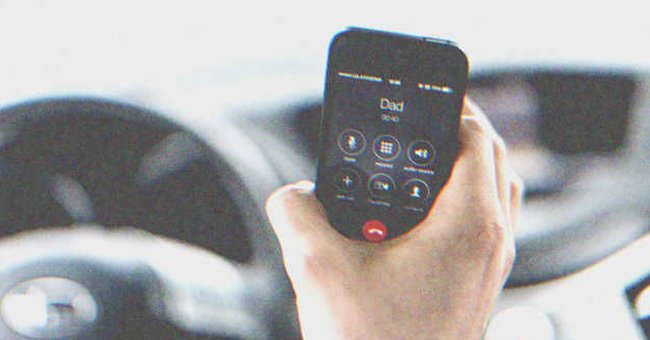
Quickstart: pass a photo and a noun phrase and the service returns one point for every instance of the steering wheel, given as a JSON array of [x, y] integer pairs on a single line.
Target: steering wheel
[[116, 222]]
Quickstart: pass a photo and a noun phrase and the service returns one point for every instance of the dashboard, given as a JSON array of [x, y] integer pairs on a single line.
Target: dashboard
[[170, 215]]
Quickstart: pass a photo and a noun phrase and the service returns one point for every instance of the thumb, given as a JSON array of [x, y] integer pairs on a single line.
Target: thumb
[[299, 221]]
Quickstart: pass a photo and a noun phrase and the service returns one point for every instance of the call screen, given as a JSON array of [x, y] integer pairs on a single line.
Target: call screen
[[391, 139]]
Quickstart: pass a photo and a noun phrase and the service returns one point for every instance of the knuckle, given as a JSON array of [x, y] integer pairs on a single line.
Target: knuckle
[[476, 125], [500, 148], [510, 254], [492, 238], [273, 199], [314, 262], [519, 183], [518, 186], [283, 197], [477, 133], [321, 263]]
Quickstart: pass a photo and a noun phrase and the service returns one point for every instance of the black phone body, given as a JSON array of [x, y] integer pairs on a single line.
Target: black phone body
[[389, 130]]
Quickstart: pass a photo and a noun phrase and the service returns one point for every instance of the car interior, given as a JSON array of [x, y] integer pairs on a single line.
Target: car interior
[[139, 143]]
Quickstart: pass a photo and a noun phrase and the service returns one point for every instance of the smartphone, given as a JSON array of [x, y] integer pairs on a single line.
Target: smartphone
[[389, 130]]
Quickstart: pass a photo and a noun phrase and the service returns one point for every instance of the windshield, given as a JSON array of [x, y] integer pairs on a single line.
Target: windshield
[[238, 55]]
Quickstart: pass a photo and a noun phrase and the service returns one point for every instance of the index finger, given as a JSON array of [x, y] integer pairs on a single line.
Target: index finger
[[472, 188]]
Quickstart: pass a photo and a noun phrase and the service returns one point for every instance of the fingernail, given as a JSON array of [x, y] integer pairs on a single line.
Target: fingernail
[[305, 186]]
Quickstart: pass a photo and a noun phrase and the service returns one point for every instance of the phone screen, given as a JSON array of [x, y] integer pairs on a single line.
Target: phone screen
[[389, 130]]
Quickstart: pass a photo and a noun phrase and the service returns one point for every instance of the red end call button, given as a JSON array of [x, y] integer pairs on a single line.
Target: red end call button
[[374, 231]]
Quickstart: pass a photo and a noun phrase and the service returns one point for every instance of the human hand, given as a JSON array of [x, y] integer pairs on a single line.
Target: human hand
[[439, 281]]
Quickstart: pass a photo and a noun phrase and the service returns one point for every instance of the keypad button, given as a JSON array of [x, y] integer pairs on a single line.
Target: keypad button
[[415, 190], [352, 142], [386, 147], [421, 153], [347, 180], [381, 186]]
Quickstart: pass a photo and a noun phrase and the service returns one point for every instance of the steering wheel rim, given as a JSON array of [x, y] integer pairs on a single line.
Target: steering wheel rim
[[263, 286]]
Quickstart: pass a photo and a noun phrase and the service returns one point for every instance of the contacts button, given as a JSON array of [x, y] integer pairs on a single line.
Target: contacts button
[[415, 190]]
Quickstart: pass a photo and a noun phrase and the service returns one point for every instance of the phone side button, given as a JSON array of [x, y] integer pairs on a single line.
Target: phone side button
[[375, 231]]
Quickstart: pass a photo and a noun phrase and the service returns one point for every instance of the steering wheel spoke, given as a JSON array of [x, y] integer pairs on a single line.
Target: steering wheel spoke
[[161, 229]]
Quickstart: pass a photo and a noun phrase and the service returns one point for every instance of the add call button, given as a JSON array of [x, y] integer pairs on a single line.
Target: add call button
[[347, 180]]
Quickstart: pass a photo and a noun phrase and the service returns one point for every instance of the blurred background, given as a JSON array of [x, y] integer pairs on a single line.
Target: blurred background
[[566, 83], [250, 54]]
